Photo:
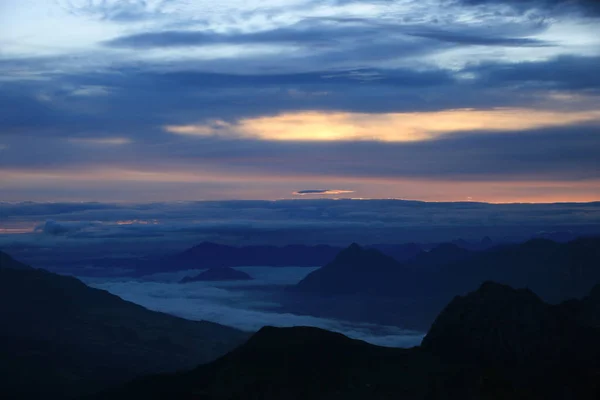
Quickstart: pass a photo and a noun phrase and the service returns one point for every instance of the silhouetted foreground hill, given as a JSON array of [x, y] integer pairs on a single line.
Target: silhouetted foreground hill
[[555, 271], [495, 343], [218, 274], [60, 338]]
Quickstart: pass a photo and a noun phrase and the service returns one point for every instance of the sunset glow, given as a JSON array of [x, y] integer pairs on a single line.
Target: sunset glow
[[395, 127]]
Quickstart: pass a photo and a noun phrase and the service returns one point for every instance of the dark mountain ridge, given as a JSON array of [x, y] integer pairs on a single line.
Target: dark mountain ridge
[[208, 255], [61, 338], [555, 271], [411, 294], [218, 274], [493, 343], [212, 255]]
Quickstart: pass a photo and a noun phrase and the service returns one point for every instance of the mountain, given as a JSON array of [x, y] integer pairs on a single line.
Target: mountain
[[495, 343], [354, 269], [212, 255], [61, 338], [555, 271], [7, 261], [366, 271], [550, 351], [513, 327], [400, 252], [293, 364], [363, 284], [218, 274]]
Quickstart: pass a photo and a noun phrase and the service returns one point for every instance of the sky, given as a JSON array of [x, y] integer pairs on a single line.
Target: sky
[[167, 100]]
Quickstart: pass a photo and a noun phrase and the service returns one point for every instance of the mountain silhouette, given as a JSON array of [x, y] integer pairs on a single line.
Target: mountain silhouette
[[7, 261], [61, 338], [513, 327], [554, 271], [495, 343], [208, 255], [218, 274]]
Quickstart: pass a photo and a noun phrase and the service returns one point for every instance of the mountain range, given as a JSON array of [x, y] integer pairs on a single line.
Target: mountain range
[[411, 294], [61, 338], [208, 255], [218, 274], [495, 343]]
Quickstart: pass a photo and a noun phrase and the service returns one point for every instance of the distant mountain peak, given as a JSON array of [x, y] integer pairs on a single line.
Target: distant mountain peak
[[219, 274]]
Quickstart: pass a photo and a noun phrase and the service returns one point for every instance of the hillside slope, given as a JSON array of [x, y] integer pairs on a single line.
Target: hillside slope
[[61, 338], [495, 343]]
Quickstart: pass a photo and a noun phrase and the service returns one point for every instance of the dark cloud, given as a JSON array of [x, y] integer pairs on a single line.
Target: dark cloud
[[566, 72], [315, 33], [322, 192], [590, 7], [139, 102], [564, 153], [480, 38], [54, 228]]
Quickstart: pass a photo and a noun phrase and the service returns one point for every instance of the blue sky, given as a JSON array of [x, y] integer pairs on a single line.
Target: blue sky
[[161, 100]]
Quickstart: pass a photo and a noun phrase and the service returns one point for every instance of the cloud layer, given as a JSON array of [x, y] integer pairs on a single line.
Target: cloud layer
[[73, 237], [244, 309], [174, 99]]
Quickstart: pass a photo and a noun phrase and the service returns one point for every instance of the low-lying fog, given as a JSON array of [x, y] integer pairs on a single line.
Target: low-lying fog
[[247, 305]]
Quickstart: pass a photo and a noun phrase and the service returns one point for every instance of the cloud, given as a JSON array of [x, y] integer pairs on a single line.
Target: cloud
[[116, 10], [70, 236], [247, 310], [570, 73], [324, 32], [389, 127], [590, 7], [321, 192], [243, 85], [53, 228], [101, 141]]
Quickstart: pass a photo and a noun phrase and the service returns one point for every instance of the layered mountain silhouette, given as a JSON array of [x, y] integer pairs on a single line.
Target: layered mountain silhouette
[[555, 271], [494, 343], [212, 255], [60, 338], [218, 274]]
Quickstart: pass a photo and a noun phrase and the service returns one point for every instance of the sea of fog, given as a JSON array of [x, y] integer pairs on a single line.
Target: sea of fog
[[246, 305]]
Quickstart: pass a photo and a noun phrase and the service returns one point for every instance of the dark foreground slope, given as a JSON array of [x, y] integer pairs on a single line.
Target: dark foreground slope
[[495, 343], [60, 338]]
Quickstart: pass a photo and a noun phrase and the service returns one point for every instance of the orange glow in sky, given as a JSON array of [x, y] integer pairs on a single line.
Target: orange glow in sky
[[390, 127]]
